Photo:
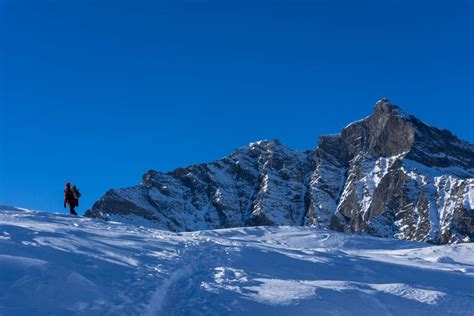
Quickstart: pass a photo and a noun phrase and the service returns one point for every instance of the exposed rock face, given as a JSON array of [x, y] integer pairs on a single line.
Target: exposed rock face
[[264, 183], [389, 175]]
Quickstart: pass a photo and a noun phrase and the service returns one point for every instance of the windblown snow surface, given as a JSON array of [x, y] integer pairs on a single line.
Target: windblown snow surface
[[53, 264]]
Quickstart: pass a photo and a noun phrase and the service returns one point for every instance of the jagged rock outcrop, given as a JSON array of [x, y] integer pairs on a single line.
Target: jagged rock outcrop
[[260, 184], [389, 175]]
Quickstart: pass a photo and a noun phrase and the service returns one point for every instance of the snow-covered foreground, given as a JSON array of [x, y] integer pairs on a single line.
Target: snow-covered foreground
[[57, 264]]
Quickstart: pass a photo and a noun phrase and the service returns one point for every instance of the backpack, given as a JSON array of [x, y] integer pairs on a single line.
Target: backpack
[[76, 193]]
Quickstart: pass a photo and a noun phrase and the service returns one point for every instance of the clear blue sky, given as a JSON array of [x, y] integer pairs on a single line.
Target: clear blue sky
[[98, 92]]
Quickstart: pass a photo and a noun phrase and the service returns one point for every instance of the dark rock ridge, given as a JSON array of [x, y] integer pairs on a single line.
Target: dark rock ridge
[[389, 175]]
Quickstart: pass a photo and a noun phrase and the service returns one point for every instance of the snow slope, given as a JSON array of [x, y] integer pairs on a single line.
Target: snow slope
[[54, 264]]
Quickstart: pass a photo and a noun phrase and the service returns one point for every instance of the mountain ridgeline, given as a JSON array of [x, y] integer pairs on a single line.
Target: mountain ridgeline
[[388, 174]]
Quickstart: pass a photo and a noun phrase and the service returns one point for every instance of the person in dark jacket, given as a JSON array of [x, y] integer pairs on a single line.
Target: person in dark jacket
[[70, 199]]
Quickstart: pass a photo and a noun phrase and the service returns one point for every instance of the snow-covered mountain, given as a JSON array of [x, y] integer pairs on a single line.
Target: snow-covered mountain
[[388, 174], [53, 264]]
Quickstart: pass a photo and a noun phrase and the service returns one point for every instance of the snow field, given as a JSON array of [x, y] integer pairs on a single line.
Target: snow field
[[57, 264]]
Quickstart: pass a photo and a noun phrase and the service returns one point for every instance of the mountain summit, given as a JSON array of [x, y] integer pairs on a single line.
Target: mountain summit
[[388, 174]]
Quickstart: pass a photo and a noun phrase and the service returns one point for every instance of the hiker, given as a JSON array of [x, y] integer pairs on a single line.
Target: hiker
[[71, 198]]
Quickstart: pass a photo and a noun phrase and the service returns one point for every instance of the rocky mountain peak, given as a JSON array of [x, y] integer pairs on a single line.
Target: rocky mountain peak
[[388, 174], [265, 143], [385, 107], [385, 133]]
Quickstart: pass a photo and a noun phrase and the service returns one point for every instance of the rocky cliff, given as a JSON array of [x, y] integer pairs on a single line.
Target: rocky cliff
[[389, 175]]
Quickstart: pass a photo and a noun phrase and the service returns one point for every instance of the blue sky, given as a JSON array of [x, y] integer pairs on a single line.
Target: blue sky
[[98, 92]]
